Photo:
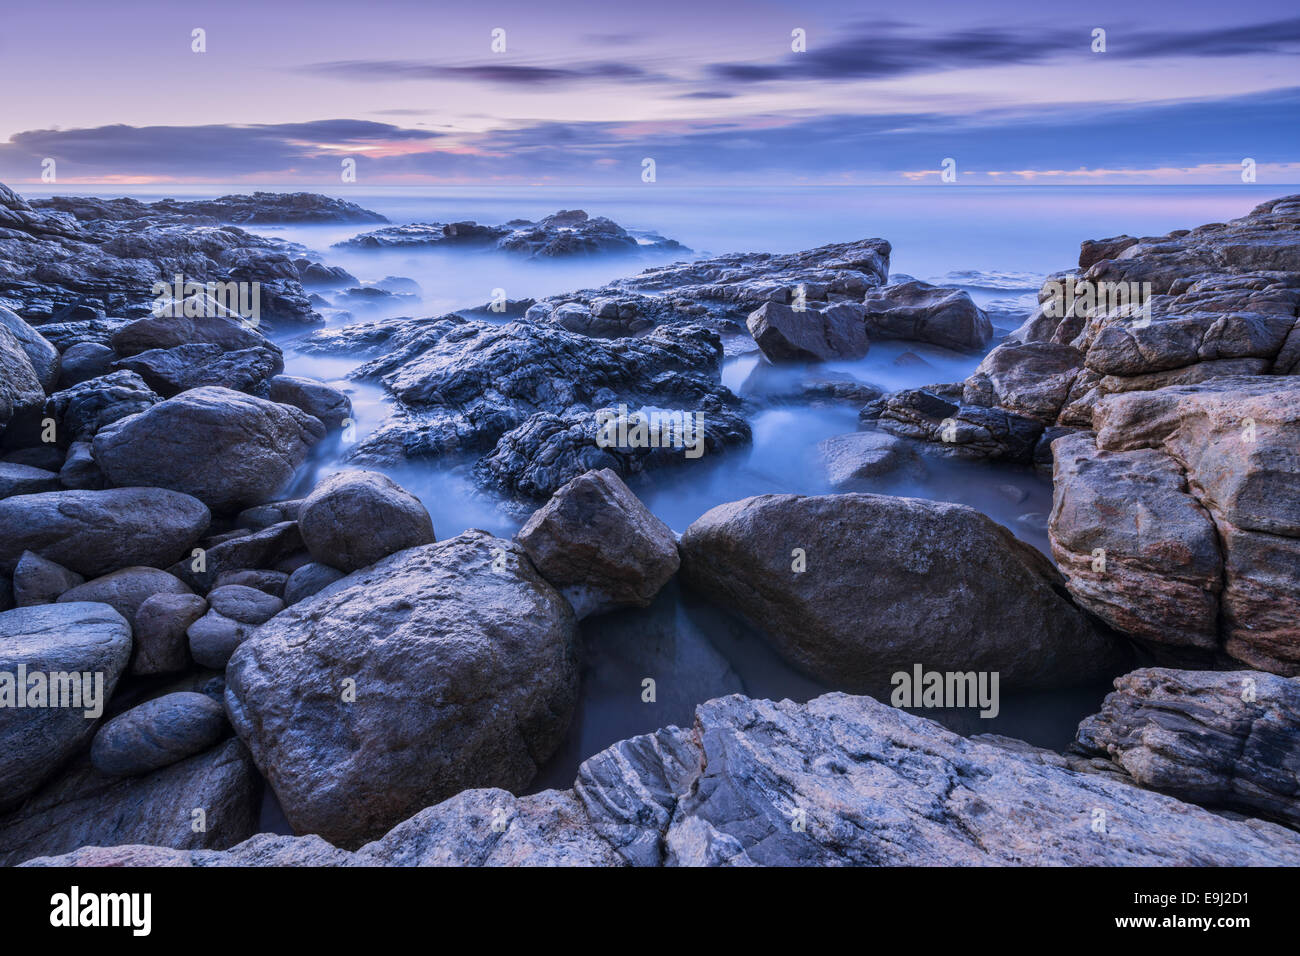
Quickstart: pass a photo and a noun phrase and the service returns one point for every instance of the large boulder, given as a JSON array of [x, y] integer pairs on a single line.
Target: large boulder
[[225, 448], [168, 331], [443, 667], [59, 663], [315, 398], [43, 356], [354, 518], [599, 545], [94, 532], [855, 588], [1228, 740], [921, 312], [20, 389]]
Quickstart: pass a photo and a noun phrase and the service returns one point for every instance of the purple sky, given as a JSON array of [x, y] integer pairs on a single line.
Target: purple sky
[[113, 93]]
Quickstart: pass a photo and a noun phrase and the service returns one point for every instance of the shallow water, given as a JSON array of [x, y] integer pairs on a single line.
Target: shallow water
[[998, 243]]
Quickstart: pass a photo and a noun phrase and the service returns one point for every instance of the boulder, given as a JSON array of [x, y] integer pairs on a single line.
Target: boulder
[[234, 613], [268, 582], [784, 333], [168, 331], [158, 733], [1227, 740], [183, 367], [16, 479], [125, 590], [20, 389], [408, 682], [81, 410], [307, 580], [920, 312], [854, 459], [43, 356], [354, 518], [315, 398], [597, 544], [80, 471], [161, 644], [855, 588], [94, 532], [71, 656], [38, 581], [227, 449], [258, 549], [84, 361]]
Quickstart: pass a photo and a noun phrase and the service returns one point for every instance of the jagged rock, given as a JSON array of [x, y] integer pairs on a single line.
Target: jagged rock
[[126, 589], [354, 518], [160, 332], [1034, 380], [1228, 740], [597, 544], [79, 651], [225, 448], [854, 588], [86, 808], [463, 676], [938, 416], [95, 532], [920, 312], [81, 410], [260, 207], [158, 733], [175, 370]]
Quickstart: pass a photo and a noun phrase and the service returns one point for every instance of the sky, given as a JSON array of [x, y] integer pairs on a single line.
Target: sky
[[584, 92]]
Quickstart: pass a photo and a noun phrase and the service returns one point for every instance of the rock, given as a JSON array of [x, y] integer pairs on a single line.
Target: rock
[[227, 449], [855, 458], [78, 651], [81, 410], [79, 471], [890, 583], [877, 786], [125, 590], [245, 604], [260, 207], [354, 518], [157, 733], [464, 677], [84, 361], [20, 389], [18, 479], [1227, 740], [599, 546], [937, 415], [161, 332], [161, 644], [258, 549], [94, 532], [1035, 379], [809, 335], [263, 516], [317, 399], [268, 582], [38, 581], [233, 615], [920, 312], [86, 808], [175, 370], [43, 356], [309, 579]]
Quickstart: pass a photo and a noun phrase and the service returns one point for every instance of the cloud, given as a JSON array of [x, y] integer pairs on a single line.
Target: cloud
[[504, 73]]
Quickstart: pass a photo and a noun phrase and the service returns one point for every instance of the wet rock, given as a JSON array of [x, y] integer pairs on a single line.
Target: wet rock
[[157, 733], [225, 448], [809, 335], [939, 417], [258, 549], [125, 590], [463, 676], [307, 580], [597, 544], [856, 458], [43, 356], [38, 581], [82, 410], [268, 582], [175, 370], [48, 645], [317, 399], [84, 361], [94, 532], [1228, 740], [854, 588], [84, 807], [159, 630], [354, 518], [920, 312]]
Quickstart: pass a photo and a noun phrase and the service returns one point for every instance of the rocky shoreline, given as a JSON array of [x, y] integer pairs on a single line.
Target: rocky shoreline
[[397, 690]]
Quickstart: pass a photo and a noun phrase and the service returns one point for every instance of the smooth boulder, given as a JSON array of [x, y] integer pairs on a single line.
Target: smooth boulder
[[354, 518], [157, 733]]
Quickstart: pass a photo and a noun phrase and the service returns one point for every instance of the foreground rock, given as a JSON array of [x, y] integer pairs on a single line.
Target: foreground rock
[[158, 733], [354, 518], [854, 588], [809, 335], [95, 532], [1228, 740], [876, 786], [225, 448], [71, 656], [600, 546], [424, 675], [219, 788]]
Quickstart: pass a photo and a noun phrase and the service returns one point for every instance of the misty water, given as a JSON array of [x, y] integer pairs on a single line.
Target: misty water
[[997, 243]]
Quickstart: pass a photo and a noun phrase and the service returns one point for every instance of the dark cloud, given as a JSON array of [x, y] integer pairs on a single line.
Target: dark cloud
[[505, 73]]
